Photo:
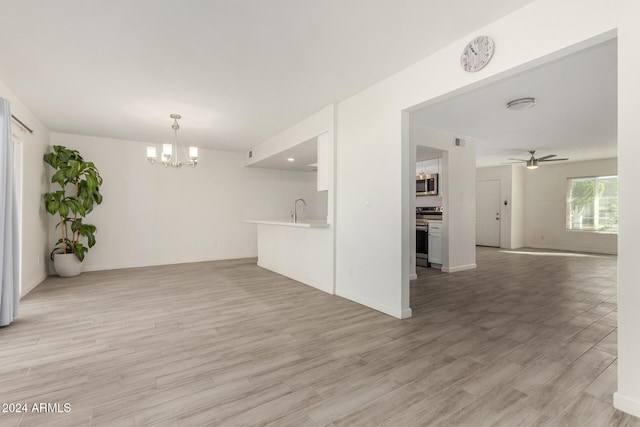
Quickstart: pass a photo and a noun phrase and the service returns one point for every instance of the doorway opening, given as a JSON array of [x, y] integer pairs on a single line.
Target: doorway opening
[[429, 212], [574, 117]]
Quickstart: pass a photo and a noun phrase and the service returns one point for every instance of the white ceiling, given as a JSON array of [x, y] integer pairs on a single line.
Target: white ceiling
[[427, 153], [575, 114], [238, 71], [304, 155]]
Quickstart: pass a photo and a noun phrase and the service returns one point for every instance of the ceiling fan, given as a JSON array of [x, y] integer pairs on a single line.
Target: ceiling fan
[[532, 163]]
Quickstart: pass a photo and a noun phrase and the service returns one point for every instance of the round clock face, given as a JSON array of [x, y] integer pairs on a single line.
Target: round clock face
[[477, 54]]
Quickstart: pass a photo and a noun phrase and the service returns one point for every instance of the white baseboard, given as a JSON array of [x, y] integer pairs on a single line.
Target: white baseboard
[[327, 288], [413, 276], [598, 251], [386, 309], [458, 268], [31, 286], [406, 313], [123, 266], [626, 404]]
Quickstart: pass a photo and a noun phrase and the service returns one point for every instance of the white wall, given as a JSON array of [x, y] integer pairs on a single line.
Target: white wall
[[517, 206], [627, 397], [546, 212], [152, 215], [34, 185]]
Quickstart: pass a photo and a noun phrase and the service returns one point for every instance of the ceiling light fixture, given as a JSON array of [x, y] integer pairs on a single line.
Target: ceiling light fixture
[[291, 159], [532, 164], [521, 104], [168, 150]]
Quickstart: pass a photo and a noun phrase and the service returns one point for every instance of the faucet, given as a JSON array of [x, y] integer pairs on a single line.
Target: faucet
[[295, 208]]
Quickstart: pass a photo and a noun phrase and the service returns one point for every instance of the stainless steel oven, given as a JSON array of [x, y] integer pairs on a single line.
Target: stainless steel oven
[[427, 185], [423, 215], [422, 247]]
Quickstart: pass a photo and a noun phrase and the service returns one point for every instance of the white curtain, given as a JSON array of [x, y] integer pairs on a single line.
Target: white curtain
[[9, 245]]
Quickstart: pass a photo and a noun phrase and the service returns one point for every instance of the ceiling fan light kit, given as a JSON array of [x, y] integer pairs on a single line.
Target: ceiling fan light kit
[[534, 161], [521, 104]]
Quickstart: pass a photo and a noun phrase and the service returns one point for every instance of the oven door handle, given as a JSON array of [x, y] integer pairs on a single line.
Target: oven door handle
[[421, 228]]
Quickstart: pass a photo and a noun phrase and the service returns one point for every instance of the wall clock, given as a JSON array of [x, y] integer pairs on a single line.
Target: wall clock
[[477, 54]]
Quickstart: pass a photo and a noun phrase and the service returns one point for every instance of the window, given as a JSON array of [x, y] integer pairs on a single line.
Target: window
[[592, 204]]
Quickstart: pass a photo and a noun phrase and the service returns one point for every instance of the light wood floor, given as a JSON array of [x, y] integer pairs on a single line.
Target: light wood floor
[[526, 339]]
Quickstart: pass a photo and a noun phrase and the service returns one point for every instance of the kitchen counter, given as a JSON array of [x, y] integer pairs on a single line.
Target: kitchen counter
[[301, 250], [311, 223]]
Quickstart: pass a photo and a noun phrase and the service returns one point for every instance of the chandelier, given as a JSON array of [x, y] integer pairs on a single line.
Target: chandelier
[[168, 150]]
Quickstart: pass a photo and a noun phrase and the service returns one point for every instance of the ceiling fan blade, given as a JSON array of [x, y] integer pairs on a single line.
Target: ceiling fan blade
[[543, 158], [519, 160], [551, 160]]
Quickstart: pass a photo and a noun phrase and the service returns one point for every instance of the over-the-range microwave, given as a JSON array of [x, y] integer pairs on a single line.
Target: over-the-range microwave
[[427, 185]]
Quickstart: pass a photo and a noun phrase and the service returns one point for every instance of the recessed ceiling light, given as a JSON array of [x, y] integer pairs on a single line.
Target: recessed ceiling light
[[290, 159], [521, 104]]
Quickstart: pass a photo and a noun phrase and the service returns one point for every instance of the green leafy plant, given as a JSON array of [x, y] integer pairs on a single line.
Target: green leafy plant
[[79, 183]]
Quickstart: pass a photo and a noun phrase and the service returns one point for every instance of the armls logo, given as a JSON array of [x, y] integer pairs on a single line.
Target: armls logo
[[40, 407], [59, 408]]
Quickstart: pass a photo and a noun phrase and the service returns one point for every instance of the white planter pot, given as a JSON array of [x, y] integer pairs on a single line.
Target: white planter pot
[[67, 265]]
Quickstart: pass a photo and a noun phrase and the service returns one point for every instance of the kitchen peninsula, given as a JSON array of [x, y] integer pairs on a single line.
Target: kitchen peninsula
[[299, 250]]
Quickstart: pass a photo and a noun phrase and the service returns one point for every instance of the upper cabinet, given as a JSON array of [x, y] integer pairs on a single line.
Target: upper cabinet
[[428, 166]]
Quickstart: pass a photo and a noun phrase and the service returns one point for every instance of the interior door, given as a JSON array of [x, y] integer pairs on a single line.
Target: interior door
[[488, 213]]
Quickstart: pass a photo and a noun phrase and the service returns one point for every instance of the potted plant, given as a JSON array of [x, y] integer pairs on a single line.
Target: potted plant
[[79, 183]]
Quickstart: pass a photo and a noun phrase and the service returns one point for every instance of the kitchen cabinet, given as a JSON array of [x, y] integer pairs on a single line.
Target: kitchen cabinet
[[299, 250], [428, 166], [434, 241]]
